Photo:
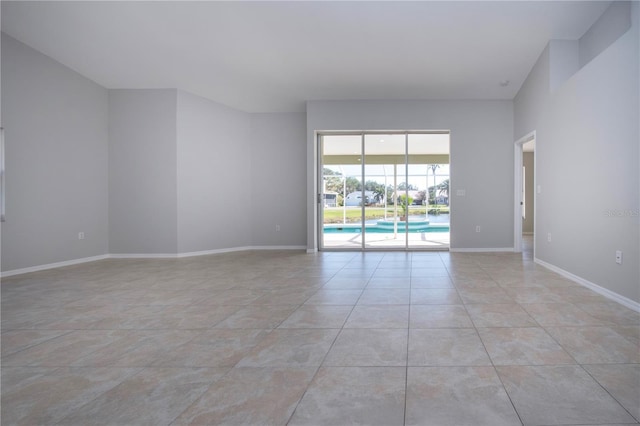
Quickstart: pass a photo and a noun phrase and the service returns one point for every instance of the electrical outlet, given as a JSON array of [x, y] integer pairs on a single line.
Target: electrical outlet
[[549, 237], [619, 257], [81, 235], [478, 228]]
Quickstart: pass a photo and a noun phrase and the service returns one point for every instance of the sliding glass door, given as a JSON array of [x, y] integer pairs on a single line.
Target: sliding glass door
[[428, 177], [380, 191], [385, 184], [341, 188]]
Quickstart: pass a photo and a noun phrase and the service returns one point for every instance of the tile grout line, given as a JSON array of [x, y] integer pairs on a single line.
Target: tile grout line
[[607, 391], [495, 370], [406, 371], [293, 412]]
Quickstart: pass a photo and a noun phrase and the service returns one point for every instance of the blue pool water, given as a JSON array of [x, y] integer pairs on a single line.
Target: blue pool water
[[386, 226]]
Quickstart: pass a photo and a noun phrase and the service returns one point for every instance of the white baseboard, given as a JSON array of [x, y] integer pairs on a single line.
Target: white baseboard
[[53, 265], [277, 248], [631, 304], [199, 253], [481, 250], [527, 233], [234, 249], [312, 251], [207, 252], [143, 256]]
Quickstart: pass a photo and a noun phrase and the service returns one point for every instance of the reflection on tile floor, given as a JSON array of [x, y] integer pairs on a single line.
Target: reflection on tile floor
[[283, 337]]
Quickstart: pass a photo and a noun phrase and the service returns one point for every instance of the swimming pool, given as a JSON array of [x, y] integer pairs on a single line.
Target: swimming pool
[[385, 226]]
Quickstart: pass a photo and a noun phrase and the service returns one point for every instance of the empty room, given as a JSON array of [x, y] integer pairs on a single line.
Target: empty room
[[320, 213]]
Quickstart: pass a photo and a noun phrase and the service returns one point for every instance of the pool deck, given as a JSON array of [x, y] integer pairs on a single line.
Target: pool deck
[[425, 240]]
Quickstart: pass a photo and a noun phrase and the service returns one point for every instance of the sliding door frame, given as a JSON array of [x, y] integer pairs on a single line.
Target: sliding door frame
[[320, 190]]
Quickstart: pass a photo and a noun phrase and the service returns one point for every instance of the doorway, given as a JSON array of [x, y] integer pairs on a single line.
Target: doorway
[[525, 194], [384, 190]]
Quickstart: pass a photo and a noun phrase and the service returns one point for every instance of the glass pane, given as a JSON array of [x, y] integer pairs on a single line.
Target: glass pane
[[342, 191], [428, 173], [385, 184]]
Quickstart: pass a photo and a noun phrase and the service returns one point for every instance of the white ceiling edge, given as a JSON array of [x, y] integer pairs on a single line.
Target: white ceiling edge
[[275, 56]]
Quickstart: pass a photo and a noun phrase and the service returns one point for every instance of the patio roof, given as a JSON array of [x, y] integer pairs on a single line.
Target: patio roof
[[424, 148]]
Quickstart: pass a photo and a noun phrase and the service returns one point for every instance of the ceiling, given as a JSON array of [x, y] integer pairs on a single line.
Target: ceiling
[[274, 56]]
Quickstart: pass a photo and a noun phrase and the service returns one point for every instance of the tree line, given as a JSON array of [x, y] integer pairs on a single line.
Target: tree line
[[334, 182]]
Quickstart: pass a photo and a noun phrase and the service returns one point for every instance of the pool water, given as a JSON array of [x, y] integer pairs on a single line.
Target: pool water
[[386, 226]]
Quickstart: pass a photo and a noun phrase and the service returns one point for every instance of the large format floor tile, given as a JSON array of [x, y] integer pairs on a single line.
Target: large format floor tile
[[369, 347], [383, 296], [379, 316], [48, 398], [285, 337], [353, 395], [290, 347], [439, 316], [213, 348], [64, 350], [317, 316], [258, 316], [457, 396], [558, 395], [446, 346], [594, 345], [17, 340], [157, 395], [250, 396], [500, 315], [561, 314], [523, 346], [622, 381]]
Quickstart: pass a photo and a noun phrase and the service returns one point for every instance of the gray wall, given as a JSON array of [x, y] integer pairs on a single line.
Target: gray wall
[[564, 61], [190, 175], [239, 175], [142, 171], [214, 176], [278, 169], [528, 163], [56, 158], [614, 22], [481, 147], [587, 165], [532, 97]]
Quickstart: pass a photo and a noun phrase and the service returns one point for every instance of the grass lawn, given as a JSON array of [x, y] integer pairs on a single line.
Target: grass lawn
[[335, 214]]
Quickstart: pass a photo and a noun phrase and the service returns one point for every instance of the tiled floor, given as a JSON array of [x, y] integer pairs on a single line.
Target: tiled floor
[[280, 337]]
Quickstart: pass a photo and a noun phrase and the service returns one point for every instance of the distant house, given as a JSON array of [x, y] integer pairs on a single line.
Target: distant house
[[413, 194], [330, 199], [442, 199], [354, 199]]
